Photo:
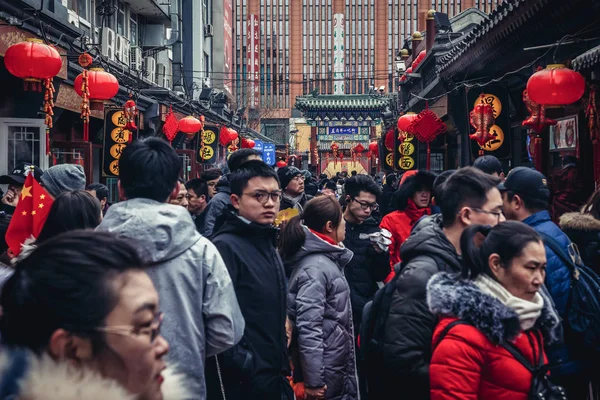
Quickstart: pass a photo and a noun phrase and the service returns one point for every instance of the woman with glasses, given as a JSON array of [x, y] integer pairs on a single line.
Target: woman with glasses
[[319, 301], [80, 320], [411, 202]]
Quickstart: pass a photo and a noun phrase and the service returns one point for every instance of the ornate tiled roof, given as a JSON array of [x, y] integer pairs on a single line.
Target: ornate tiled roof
[[342, 103], [588, 59]]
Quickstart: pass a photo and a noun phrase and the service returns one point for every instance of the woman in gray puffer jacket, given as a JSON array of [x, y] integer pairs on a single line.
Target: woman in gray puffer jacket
[[319, 301]]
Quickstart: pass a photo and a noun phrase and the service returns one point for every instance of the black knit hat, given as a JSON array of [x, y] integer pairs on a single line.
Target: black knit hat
[[286, 174]]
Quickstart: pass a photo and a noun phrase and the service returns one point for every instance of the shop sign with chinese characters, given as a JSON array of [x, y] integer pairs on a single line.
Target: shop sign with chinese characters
[[208, 153], [405, 150], [116, 138]]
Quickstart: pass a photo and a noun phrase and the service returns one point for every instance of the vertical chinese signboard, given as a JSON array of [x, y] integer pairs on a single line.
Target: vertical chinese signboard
[[116, 138], [209, 153], [404, 152], [339, 54], [253, 59], [228, 45], [497, 97], [269, 153]]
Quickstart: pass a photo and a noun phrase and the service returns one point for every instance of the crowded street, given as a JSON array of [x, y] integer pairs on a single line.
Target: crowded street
[[299, 200]]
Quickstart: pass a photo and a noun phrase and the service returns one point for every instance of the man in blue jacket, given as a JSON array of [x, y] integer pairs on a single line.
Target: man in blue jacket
[[526, 198]]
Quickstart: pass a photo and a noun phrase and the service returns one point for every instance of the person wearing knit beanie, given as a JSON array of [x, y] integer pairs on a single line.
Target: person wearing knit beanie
[[63, 178], [292, 184]]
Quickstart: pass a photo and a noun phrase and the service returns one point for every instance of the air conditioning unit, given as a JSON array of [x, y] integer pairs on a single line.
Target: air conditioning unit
[[136, 58], [122, 49], [209, 30], [73, 18], [108, 43], [150, 67], [161, 73]]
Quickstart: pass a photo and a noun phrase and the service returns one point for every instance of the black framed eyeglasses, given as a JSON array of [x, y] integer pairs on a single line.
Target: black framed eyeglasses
[[263, 197], [365, 205]]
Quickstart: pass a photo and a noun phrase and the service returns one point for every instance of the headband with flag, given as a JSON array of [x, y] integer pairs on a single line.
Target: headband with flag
[[30, 214]]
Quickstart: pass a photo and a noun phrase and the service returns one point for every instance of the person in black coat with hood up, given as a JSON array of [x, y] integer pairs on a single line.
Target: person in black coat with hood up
[[256, 368]]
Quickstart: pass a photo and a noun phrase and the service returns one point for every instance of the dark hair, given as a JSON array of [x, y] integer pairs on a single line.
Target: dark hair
[[149, 169], [199, 186], [531, 203], [70, 211], [488, 164], [592, 206], [101, 190], [361, 183], [250, 169], [211, 174], [330, 185], [64, 283], [390, 179], [467, 186], [353, 173], [421, 180], [4, 223], [239, 157], [507, 239], [440, 180], [317, 212]]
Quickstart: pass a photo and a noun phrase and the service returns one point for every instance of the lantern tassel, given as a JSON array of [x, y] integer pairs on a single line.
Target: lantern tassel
[[86, 131], [428, 160], [48, 152]]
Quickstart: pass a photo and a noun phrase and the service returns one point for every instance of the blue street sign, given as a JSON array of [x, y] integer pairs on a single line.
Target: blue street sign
[[258, 145], [269, 153]]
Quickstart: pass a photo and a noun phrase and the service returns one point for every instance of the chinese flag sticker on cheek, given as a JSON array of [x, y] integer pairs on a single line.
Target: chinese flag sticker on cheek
[[30, 215]]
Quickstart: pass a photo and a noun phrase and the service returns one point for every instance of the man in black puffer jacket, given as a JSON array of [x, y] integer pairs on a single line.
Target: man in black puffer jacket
[[468, 197]]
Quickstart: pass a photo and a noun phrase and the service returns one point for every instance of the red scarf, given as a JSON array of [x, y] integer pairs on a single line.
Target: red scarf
[[415, 213], [325, 238]]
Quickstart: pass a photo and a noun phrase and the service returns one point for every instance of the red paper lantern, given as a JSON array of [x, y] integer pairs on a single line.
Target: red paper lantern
[[405, 120], [130, 111], [190, 125], [32, 61], [555, 85], [248, 143], [359, 148], [409, 70], [280, 164], [102, 86], [389, 139], [233, 135], [373, 147], [224, 136]]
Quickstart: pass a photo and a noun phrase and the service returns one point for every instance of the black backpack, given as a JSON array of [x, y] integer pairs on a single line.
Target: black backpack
[[583, 307], [541, 386]]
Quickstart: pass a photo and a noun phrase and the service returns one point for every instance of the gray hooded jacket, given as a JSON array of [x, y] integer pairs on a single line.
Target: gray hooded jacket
[[319, 307], [202, 315]]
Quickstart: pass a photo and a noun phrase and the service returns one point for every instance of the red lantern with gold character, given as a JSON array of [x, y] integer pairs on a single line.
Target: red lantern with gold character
[[555, 85], [33, 61]]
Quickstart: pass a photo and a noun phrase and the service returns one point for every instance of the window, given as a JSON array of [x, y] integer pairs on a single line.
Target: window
[[121, 18], [205, 13], [133, 28], [83, 9]]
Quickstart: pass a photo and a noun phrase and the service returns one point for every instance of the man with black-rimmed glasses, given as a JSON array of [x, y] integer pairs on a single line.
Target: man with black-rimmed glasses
[[257, 367]]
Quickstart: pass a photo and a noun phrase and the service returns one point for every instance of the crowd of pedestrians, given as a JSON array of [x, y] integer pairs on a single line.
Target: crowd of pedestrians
[[250, 282]]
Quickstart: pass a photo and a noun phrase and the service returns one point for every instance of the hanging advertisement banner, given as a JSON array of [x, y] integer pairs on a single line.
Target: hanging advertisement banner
[[209, 153], [253, 59], [116, 138]]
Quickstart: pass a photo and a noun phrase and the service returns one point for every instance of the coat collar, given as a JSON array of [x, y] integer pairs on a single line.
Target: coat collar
[[579, 222], [537, 218], [450, 296], [46, 379]]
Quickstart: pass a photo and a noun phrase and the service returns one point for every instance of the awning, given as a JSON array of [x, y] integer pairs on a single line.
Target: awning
[[587, 60]]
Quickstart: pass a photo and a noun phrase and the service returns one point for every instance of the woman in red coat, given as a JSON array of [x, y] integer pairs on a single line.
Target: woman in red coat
[[411, 201], [499, 301]]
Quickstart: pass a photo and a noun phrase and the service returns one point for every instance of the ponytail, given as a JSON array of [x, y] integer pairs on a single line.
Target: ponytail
[[473, 262], [292, 238], [507, 240]]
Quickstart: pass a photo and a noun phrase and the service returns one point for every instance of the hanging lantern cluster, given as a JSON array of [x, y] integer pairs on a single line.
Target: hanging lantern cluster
[[555, 85], [482, 119], [357, 151], [34, 62], [537, 120]]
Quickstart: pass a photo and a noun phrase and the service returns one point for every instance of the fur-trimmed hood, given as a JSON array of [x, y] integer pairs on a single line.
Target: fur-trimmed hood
[[579, 222], [46, 379], [409, 186], [448, 295]]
